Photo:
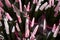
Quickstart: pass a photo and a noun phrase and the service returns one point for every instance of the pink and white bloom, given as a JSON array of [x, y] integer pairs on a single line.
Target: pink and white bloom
[[56, 31], [35, 30], [54, 28], [44, 25], [28, 7], [35, 1], [32, 37], [57, 9], [51, 2], [8, 16], [6, 25], [8, 4], [43, 6], [48, 6], [20, 5], [17, 27], [27, 28], [13, 29], [2, 10], [38, 5], [32, 23], [19, 19]]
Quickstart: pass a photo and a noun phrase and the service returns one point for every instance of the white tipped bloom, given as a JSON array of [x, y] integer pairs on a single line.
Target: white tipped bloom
[[35, 30], [32, 23], [27, 28], [43, 6], [38, 5], [32, 37], [48, 6], [17, 27], [44, 27], [56, 31], [54, 28], [8, 16], [20, 5], [51, 2], [19, 19], [6, 25], [35, 1], [57, 7], [28, 6], [13, 29]]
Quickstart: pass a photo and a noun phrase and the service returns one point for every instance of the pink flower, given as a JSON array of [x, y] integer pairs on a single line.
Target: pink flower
[[20, 5], [35, 1], [27, 28], [1, 4], [19, 19], [44, 27], [28, 6], [8, 4], [35, 30], [54, 28], [17, 27], [6, 25], [51, 2], [56, 31], [32, 23], [2, 10], [43, 6], [8, 16], [32, 37]]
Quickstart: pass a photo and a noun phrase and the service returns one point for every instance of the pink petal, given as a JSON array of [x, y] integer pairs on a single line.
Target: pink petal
[[35, 30], [54, 28], [1, 4], [8, 16], [19, 18], [17, 27], [32, 23], [2, 10], [28, 7], [8, 4], [20, 5], [56, 32], [27, 28], [43, 6], [51, 2], [44, 27]]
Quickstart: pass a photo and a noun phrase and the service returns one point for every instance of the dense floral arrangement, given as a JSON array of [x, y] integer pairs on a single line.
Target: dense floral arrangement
[[29, 19]]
